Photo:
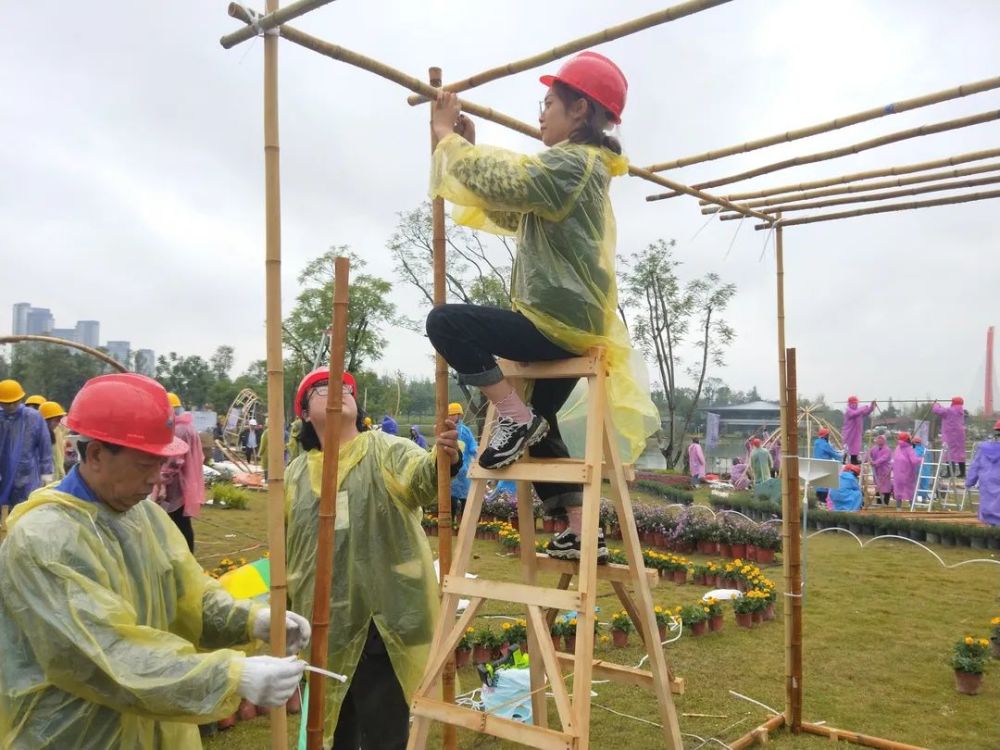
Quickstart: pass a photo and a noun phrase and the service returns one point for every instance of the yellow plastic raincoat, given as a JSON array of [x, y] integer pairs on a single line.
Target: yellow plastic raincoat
[[383, 570], [563, 280], [59, 452], [100, 616]]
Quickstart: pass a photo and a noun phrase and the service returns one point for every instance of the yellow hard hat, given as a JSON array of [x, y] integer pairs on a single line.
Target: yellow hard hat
[[35, 400], [455, 408], [10, 391], [51, 409], [368, 421], [173, 399]]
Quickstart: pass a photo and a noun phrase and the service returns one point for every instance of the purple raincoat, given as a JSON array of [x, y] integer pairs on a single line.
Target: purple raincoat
[[775, 450], [738, 476], [854, 417], [904, 471], [696, 459], [985, 471], [952, 430], [881, 458], [25, 453]]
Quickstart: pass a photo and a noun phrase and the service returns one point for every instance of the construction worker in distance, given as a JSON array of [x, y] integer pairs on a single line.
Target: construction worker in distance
[[35, 402], [470, 449], [985, 472], [184, 494], [53, 415], [114, 636], [384, 597], [25, 448], [760, 462], [822, 449]]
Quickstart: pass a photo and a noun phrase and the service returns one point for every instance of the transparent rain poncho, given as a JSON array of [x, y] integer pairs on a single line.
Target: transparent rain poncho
[[383, 570], [101, 616], [556, 203]]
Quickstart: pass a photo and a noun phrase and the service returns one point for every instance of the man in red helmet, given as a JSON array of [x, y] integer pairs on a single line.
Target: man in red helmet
[[384, 600], [760, 462], [113, 634]]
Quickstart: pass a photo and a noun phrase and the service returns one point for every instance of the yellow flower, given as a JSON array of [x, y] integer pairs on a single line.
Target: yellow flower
[[470, 630], [573, 621], [995, 621], [969, 640], [506, 626], [605, 639], [983, 642], [522, 622], [658, 609]]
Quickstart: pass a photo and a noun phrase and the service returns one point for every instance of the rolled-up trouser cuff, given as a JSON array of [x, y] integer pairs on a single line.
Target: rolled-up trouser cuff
[[479, 379], [562, 500]]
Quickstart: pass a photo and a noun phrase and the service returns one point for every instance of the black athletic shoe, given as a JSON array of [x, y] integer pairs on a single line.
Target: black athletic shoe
[[566, 546], [509, 440]]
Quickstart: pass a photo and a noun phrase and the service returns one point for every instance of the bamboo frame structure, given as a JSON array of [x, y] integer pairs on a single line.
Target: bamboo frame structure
[[585, 42], [272, 20], [328, 507], [27, 337], [904, 105]]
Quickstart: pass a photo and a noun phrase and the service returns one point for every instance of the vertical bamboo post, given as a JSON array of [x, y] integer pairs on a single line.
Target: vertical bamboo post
[[448, 735], [275, 369], [792, 559], [328, 507]]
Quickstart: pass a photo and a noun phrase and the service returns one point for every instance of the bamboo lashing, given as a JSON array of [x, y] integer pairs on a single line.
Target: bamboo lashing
[[263, 24], [857, 176], [275, 370], [328, 507], [871, 197], [967, 198], [855, 148], [863, 187], [905, 105], [28, 337], [449, 736], [606, 35]]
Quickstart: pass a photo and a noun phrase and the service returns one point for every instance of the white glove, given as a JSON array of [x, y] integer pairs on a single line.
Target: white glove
[[269, 681], [47, 478], [297, 630]]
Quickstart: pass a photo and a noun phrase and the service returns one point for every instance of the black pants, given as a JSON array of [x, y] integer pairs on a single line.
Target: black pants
[[470, 338], [374, 714], [855, 460], [184, 524]]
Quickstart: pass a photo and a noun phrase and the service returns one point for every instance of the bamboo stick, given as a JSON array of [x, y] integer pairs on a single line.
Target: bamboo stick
[[883, 140], [856, 738], [328, 507], [967, 198], [606, 35], [679, 188], [903, 105], [26, 337], [792, 553], [852, 189], [750, 738], [267, 22], [275, 370], [936, 187], [448, 733]]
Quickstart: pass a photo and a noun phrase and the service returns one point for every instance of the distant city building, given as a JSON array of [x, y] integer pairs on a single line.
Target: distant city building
[[747, 418], [88, 333], [20, 324], [145, 362], [40, 321], [119, 350], [64, 333]]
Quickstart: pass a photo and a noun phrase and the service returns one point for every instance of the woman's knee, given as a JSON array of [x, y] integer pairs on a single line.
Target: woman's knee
[[440, 323]]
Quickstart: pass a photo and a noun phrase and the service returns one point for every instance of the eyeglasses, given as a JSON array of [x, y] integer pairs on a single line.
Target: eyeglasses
[[324, 390]]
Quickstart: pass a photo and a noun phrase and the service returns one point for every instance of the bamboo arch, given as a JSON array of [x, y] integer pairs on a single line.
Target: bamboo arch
[[22, 338]]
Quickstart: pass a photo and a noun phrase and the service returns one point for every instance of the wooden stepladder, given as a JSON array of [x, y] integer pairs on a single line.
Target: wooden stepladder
[[547, 665]]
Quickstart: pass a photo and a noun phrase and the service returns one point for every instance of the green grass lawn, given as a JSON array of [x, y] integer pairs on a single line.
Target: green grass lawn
[[879, 625]]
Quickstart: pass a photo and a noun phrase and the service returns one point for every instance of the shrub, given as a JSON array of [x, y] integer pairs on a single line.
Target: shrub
[[621, 621], [970, 655], [692, 614], [228, 496]]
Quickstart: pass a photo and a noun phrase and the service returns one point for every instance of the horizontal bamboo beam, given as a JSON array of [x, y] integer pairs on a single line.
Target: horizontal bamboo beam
[[856, 738], [268, 22], [904, 105], [750, 738], [687, 190], [600, 37], [855, 148], [967, 198], [870, 197], [863, 187]]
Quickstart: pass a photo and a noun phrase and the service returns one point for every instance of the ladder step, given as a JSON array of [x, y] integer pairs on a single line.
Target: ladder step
[[620, 673], [512, 592], [528, 735], [564, 470], [610, 572], [574, 367]]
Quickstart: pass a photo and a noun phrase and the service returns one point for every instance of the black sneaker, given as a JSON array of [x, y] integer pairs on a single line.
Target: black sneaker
[[509, 440], [566, 546]]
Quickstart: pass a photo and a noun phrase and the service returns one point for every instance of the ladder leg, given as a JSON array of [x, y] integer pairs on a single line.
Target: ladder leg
[[419, 730], [529, 569]]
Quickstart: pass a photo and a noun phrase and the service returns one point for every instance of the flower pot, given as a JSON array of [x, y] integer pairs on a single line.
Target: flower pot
[[619, 638], [481, 654], [706, 547], [752, 552], [548, 525], [995, 649], [680, 576], [933, 537], [715, 623], [556, 642], [978, 542], [993, 542], [710, 580], [462, 657], [744, 619], [725, 549], [916, 535], [499, 652], [294, 705], [741, 585], [662, 632], [515, 521], [246, 711], [739, 550], [699, 580], [948, 540], [699, 628], [758, 616], [659, 539], [967, 683], [768, 612], [854, 527], [569, 641], [616, 533], [765, 556]]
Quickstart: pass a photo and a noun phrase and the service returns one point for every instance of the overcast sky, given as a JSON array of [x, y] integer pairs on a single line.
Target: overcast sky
[[132, 167]]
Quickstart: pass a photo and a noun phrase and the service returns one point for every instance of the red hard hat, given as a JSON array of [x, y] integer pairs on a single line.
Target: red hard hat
[[823, 432], [852, 399], [917, 439], [595, 76], [853, 468], [319, 375], [903, 436], [957, 400], [997, 426], [126, 409], [756, 442]]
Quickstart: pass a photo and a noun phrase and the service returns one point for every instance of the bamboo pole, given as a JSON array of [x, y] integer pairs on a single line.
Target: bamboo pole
[[750, 738], [275, 370], [792, 553], [854, 737], [855, 148], [936, 187], [967, 198], [448, 732], [606, 35], [904, 105], [863, 187], [270, 21], [328, 508], [679, 188], [27, 337]]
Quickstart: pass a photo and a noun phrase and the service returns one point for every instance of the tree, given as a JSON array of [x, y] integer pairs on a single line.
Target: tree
[[57, 372], [191, 378], [666, 310], [222, 361]]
